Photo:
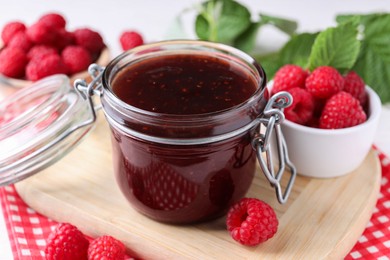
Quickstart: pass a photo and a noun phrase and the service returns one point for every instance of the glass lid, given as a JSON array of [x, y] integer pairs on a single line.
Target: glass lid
[[39, 124]]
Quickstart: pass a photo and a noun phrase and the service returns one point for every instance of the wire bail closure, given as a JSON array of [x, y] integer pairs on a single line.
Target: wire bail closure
[[87, 91], [272, 118]]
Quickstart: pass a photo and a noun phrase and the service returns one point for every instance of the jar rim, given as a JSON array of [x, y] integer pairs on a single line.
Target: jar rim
[[183, 117]]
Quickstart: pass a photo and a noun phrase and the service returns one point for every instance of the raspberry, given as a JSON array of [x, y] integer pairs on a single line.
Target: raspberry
[[12, 62], [354, 85], [64, 38], [324, 82], [53, 20], [76, 58], [38, 51], [46, 66], [10, 29], [21, 41], [251, 221], [66, 242], [130, 39], [89, 39], [106, 247], [342, 110], [289, 76], [41, 33], [301, 110]]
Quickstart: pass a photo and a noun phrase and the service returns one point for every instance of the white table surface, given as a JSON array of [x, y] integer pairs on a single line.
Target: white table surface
[[153, 19]]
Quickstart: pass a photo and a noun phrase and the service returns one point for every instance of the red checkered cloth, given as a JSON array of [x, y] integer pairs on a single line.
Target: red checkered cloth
[[27, 230]]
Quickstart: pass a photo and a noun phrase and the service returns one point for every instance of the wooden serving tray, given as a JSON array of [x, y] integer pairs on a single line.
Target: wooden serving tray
[[322, 219]]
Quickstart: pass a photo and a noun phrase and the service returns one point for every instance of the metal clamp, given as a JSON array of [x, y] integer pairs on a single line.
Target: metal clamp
[[86, 91], [272, 117]]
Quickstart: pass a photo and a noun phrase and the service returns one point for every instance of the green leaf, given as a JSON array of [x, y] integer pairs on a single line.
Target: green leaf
[[222, 20], [362, 19], [202, 28], [373, 63], [207, 20], [270, 63], [337, 47], [247, 40], [285, 25], [343, 19], [234, 20], [295, 51]]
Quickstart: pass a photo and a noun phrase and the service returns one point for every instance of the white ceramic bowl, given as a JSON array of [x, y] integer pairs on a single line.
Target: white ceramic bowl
[[329, 153]]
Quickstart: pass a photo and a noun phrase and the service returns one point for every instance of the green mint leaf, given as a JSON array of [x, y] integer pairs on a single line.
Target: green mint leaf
[[373, 63], [359, 19], [285, 25], [206, 23], [222, 21], [270, 62], [337, 47], [247, 40], [295, 51], [343, 19], [202, 28]]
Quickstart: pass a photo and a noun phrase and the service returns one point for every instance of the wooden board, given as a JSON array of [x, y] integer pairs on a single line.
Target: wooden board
[[322, 219]]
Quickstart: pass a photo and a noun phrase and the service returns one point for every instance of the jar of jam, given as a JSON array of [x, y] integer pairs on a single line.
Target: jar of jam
[[186, 122]]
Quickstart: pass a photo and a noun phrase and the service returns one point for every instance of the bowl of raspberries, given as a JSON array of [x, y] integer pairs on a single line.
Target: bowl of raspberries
[[331, 123], [31, 52]]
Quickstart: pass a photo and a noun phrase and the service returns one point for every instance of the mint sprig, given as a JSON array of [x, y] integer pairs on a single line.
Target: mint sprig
[[229, 22], [337, 47], [373, 63], [221, 20], [359, 42]]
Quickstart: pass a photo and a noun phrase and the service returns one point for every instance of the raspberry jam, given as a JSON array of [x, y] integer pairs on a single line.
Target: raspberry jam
[[181, 118]]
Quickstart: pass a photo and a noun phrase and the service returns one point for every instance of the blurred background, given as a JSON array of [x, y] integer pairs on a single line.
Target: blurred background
[[153, 19]]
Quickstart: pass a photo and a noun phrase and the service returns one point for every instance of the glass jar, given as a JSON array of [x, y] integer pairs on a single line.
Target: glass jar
[[190, 167], [175, 167]]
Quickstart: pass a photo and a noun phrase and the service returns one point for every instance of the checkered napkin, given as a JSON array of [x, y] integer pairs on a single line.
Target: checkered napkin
[[27, 230]]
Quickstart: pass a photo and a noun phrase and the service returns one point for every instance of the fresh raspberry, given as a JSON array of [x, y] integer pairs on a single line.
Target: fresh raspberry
[[301, 110], [10, 29], [54, 20], [342, 110], [130, 39], [324, 82], [12, 62], [46, 66], [251, 221], [66, 242], [354, 85], [21, 41], [89, 39], [106, 247], [41, 33], [289, 76], [38, 51], [76, 58], [64, 39]]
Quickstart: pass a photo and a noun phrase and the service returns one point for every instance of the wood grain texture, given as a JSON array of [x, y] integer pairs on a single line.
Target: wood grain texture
[[322, 219]]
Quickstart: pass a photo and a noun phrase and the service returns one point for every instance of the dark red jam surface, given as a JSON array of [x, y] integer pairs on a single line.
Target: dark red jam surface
[[184, 183], [184, 84]]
